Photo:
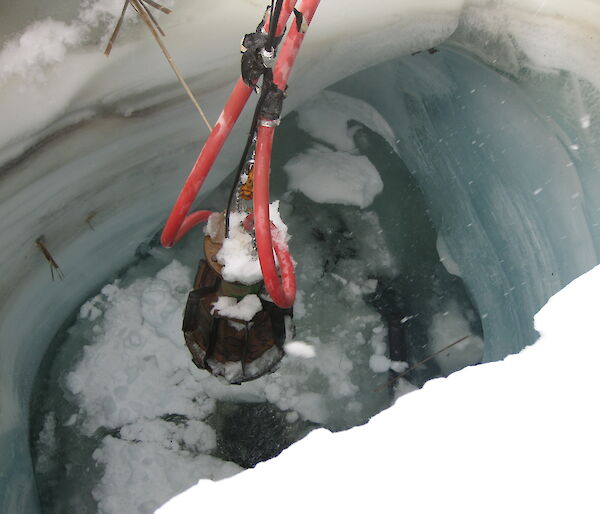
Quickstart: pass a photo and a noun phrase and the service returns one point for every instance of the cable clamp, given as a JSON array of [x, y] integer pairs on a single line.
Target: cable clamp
[[269, 123]]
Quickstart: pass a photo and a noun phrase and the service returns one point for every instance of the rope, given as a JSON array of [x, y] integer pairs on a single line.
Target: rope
[[148, 20]]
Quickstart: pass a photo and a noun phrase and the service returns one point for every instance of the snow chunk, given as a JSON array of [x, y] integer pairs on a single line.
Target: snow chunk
[[326, 116], [43, 43], [153, 374], [379, 363], [238, 254], [89, 311], [398, 366], [585, 121], [327, 176], [214, 224], [275, 217], [125, 485], [299, 349], [244, 310]]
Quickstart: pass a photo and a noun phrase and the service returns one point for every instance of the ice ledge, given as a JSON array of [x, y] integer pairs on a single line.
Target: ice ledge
[[49, 82], [68, 76], [430, 452]]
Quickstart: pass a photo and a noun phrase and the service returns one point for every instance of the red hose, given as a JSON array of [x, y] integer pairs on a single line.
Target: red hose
[[268, 238], [179, 222], [283, 292], [289, 52], [191, 221]]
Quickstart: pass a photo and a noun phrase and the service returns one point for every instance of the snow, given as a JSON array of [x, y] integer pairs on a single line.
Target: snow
[[152, 377], [238, 254], [42, 44], [243, 310], [336, 175], [379, 363], [141, 475], [431, 450], [47, 42], [328, 176], [299, 349]]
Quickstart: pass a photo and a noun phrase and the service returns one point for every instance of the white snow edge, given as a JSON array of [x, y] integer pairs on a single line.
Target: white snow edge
[[520, 435]]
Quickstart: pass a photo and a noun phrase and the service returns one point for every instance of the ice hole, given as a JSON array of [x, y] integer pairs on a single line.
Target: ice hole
[[477, 199], [119, 399]]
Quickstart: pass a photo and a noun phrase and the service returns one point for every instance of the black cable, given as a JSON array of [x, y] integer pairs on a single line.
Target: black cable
[[267, 78], [273, 25], [266, 86]]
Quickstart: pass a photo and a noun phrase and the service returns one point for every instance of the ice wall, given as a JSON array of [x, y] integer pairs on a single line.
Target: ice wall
[[505, 173], [107, 143]]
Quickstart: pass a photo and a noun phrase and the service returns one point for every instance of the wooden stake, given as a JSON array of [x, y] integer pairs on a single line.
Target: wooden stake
[[156, 30], [39, 242], [89, 218], [113, 36]]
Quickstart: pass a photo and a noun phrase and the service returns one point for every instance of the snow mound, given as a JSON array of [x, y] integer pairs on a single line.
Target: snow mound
[[326, 117], [327, 176], [148, 471]]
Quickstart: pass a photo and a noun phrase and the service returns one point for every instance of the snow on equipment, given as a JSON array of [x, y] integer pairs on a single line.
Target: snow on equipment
[[235, 321]]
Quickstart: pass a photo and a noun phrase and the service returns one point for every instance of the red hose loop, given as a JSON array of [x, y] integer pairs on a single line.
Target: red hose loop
[[190, 222], [283, 292], [174, 227]]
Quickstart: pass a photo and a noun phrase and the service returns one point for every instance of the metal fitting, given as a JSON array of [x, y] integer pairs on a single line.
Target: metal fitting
[[268, 58], [269, 123]]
